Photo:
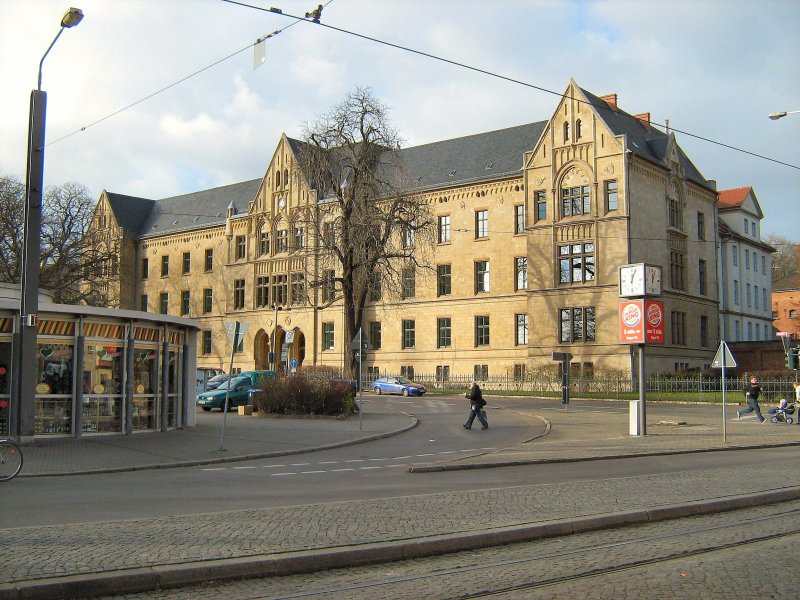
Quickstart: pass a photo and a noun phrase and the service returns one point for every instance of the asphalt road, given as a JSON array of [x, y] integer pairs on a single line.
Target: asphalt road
[[368, 471]]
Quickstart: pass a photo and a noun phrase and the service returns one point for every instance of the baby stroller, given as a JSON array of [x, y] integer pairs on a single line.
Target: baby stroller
[[781, 414]]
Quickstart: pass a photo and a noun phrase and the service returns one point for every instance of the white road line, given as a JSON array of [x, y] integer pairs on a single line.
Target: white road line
[[311, 472], [395, 466], [240, 468], [469, 450], [272, 466], [448, 452], [281, 474], [378, 459], [488, 448], [328, 462], [299, 464], [368, 468], [400, 457], [216, 469], [421, 455], [339, 470], [355, 460]]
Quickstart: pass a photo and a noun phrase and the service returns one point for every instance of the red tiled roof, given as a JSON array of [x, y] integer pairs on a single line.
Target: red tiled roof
[[732, 198]]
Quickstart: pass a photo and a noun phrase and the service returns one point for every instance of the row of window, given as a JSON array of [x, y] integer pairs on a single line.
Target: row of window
[[764, 333], [186, 264], [750, 300], [747, 262]]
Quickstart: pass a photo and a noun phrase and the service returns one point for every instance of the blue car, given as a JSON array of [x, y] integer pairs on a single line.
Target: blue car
[[397, 385]]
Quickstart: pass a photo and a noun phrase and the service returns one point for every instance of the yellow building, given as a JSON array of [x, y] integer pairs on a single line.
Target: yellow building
[[533, 223]]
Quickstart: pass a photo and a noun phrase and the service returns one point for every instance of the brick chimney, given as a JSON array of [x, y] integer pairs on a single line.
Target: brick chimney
[[610, 99], [644, 118]]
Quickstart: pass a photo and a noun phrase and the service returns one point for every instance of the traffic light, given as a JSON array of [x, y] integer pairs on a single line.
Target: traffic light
[[792, 358]]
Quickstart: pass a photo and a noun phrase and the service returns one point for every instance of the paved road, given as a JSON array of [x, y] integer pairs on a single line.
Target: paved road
[[694, 558]]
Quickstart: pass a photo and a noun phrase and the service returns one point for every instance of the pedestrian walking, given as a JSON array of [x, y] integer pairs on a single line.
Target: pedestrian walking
[[476, 404], [751, 394]]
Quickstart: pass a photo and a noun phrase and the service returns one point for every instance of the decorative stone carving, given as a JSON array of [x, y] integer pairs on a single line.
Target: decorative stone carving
[[609, 170]]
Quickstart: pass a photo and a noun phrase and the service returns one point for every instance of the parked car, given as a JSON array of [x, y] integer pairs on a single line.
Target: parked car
[[216, 381], [242, 385], [397, 385]]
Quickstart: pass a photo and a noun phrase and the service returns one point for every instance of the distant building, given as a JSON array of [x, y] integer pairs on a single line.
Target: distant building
[[786, 305], [534, 222], [745, 268]]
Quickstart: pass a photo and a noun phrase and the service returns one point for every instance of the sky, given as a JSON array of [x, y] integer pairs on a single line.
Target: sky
[[713, 68]]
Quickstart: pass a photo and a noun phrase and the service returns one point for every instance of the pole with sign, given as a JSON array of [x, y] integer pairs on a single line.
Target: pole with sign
[[235, 331], [722, 359], [360, 344]]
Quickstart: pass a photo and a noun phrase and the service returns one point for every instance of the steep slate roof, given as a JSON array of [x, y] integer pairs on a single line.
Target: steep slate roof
[[733, 198], [129, 211], [198, 209], [646, 141]]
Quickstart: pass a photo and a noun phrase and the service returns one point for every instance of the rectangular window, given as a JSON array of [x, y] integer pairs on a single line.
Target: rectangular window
[[763, 264], [738, 331], [704, 331], [328, 286], [327, 336], [299, 235], [678, 328], [375, 334], [375, 287], [736, 291], [577, 324], [241, 244], [611, 194], [143, 303], [206, 342], [480, 372], [164, 266], [701, 268], [407, 371], [747, 296], [280, 289], [753, 228], [701, 226], [262, 291], [755, 296], [409, 283], [209, 260], [519, 372], [575, 201], [541, 204], [328, 235], [185, 302], [281, 243], [187, 263], [298, 288], [263, 243], [521, 272], [443, 332], [145, 268], [409, 333], [576, 263], [675, 214], [519, 218], [443, 373], [443, 280], [746, 226], [764, 298], [677, 270], [208, 300], [746, 258], [482, 331], [444, 229], [749, 330], [481, 276], [521, 337], [238, 294], [481, 224], [163, 303], [409, 235], [735, 255]]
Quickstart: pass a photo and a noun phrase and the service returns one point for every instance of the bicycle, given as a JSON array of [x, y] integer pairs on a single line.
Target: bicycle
[[10, 460]]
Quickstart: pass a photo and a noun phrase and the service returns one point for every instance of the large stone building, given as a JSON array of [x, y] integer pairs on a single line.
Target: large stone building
[[745, 266], [533, 224]]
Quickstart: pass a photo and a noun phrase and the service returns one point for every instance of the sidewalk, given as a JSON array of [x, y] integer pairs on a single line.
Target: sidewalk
[[143, 554]]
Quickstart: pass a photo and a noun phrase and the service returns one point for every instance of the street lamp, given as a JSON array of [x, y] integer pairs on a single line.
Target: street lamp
[[780, 115], [23, 418], [277, 307]]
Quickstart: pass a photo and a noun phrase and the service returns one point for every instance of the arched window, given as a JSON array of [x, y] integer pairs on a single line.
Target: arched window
[[566, 131], [578, 129], [277, 179], [285, 177]]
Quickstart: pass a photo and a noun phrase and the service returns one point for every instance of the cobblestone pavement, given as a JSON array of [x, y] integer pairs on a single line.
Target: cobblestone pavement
[[699, 558], [55, 551]]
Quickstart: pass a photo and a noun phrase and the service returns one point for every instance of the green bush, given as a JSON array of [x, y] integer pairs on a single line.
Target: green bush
[[299, 395]]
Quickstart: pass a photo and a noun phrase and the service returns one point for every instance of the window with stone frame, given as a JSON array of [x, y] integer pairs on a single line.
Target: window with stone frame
[[143, 303], [481, 330], [298, 289], [677, 270], [238, 294], [701, 226], [208, 300], [163, 303], [521, 329], [678, 327], [327, 336], [702, 276], [165, 266], [575, 201], [409, 283], [444, 277], [519, 372], [263, 242], [674, 206], [407, 371], [298, 238], [519, 218], [375, 335], [480, 372], [481, 224], [577, 324], [576, 263], [610, 191], [281, 243], [241, 247], [704, 331], [443, 235], [185, 302], [409, 334], [187, 263], [145, 268], [328, 286], [280, 290], [206, 342], [520, 273], [444, 332], [262, 291], [540, 200], [481, 276], [208, 262], [375, 287]]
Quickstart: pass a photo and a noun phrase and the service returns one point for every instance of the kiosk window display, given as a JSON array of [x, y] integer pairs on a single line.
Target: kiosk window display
[[103, 368]]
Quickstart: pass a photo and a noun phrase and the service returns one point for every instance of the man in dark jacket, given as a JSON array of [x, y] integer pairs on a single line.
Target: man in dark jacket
[[751, 393], [476, 404]]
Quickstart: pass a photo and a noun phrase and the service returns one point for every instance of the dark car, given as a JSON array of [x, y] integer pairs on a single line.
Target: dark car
[[241, 387], [397, 385]]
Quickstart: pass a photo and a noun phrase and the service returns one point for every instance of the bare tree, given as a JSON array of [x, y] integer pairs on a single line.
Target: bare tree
[[367, 229], [787, 258], [73, 268]]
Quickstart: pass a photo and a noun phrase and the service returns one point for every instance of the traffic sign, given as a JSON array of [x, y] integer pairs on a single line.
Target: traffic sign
[[723, 358], [360, 342], [230, 329]]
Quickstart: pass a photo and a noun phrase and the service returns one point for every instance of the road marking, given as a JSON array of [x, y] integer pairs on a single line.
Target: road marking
[[272, 466], [377, 459], [311, 472], [400, 457], [421, 455], [355, 460], [216, 469], [299, 464], [368, 468], [245, 468], [395, 466], [340, 470], [328, 462], [448, 452], [281, 474]]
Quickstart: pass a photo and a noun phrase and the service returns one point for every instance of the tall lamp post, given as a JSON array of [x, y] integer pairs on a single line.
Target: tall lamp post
[[23, 418], [277, 307]]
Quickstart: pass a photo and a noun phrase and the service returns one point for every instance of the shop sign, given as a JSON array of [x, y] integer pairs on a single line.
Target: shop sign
[[99, 388], [42, 388], [641, 321]]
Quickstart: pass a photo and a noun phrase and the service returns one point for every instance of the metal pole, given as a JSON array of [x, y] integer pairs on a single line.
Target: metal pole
[[724, 412], [642, 394], [228, 387], [360, 391], [26, 375]]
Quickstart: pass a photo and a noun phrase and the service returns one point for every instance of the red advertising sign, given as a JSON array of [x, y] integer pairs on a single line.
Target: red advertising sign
[[641, 321]]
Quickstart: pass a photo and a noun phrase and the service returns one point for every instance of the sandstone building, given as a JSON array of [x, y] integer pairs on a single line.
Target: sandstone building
[[533, 223]]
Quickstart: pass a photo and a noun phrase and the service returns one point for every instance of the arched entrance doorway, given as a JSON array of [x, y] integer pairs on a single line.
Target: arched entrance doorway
[[261, 348], [297, 349]]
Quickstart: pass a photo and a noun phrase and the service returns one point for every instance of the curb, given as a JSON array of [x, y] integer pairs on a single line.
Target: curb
[[291, 563], [228, 459], [437, 468]]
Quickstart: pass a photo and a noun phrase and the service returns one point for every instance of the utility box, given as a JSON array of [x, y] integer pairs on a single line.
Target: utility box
[[633, 417]]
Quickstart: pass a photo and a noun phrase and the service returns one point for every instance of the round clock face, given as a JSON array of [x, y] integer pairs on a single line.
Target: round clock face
[[281, 203], [653, 283], [631, 280]]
